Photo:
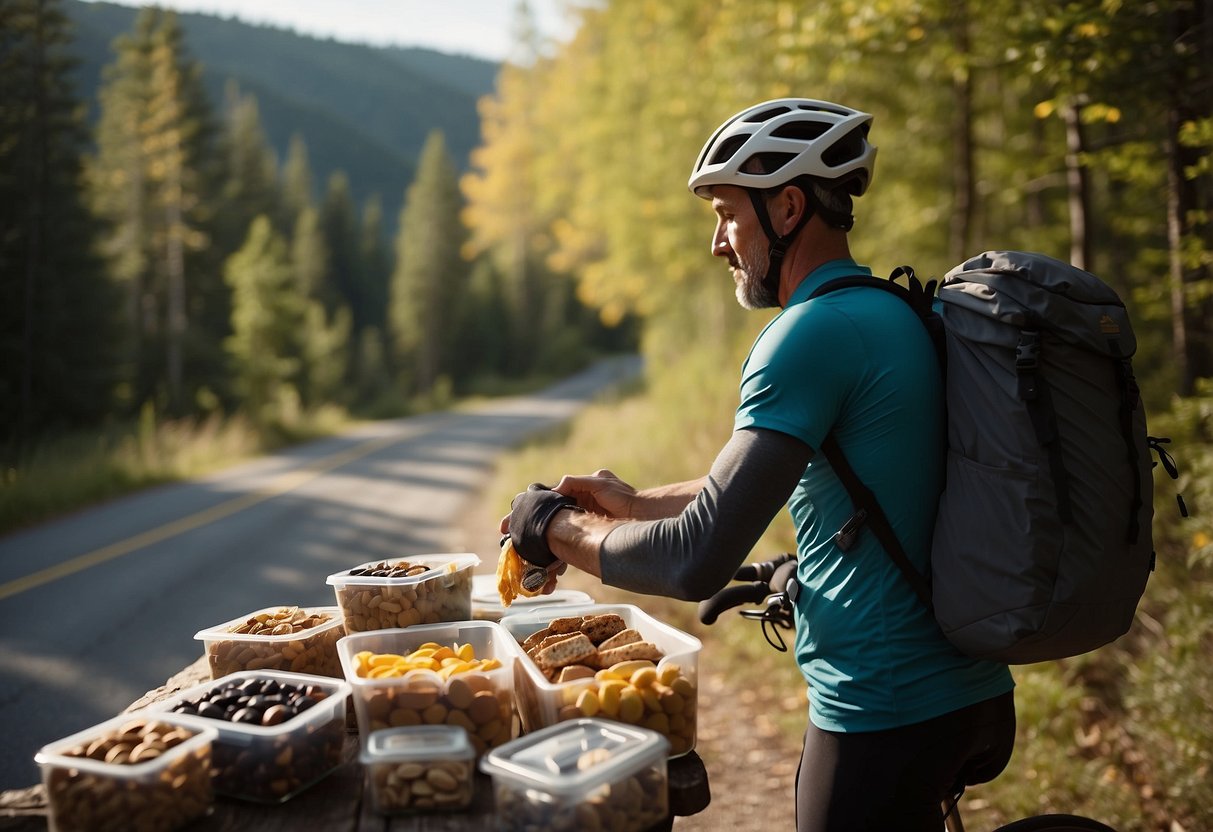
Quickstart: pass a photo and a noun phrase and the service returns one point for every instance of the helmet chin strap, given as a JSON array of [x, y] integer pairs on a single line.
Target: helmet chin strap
[[779, 245]]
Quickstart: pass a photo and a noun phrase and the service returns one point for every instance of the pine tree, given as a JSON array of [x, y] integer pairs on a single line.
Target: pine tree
[[431, 274], [374, 258], [478, 333], [339, 224], [120, 195], [309, 255], [323, 341], [152, 180], [297, 185], [251, 187], [267, 315], [57, 308]]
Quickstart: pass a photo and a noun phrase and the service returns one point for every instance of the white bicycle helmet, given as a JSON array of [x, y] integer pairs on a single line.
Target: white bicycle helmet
[[792, 137]]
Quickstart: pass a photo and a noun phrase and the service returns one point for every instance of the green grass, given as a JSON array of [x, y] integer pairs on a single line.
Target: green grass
[[1123, 734], [71, 471], [80, 469]]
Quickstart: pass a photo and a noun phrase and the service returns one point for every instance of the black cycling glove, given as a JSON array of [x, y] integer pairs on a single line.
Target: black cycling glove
[[530, 513]]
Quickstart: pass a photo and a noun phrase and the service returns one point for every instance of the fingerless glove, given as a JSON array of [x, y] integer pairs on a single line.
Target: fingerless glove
[[530, 513]]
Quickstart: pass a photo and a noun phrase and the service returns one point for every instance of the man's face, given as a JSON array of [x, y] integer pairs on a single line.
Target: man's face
[[740, 239]]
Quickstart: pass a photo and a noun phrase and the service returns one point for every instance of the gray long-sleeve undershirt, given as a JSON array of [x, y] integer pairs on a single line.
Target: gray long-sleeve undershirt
[[694, 554]]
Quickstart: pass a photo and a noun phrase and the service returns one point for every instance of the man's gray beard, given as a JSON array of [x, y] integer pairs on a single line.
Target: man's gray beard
[[752, 292]]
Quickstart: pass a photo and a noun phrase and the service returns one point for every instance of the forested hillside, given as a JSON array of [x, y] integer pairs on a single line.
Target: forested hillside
[[361, 109], [187, 253]]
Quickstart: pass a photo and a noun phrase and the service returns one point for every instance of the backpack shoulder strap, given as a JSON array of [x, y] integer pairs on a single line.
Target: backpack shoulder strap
[[917, 295], [867, 509]]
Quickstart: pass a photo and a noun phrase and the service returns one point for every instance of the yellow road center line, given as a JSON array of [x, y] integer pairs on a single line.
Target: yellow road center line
[[280, 485]]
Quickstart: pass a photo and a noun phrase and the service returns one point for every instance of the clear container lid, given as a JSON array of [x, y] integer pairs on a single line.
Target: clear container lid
[[223, 631], [420, 743], [438, 565], [556, 759], [487, 601]]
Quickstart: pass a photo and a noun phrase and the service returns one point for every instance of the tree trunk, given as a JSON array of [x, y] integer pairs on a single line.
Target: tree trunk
[[175, 274], [36, 173], [1190, 308], [963, 174], [1078, 186]]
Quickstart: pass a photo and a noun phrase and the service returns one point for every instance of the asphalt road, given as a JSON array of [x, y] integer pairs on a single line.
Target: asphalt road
[[101, 606]]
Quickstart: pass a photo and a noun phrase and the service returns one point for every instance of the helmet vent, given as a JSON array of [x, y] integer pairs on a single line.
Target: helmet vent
[[765, 115], [763, 163], [727, 148], [803, 130], [845, 149]]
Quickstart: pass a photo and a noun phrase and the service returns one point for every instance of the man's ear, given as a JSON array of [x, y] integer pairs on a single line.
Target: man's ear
[[789, 206]]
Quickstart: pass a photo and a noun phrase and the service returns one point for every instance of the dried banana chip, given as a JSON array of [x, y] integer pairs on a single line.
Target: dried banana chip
[[510, 574]]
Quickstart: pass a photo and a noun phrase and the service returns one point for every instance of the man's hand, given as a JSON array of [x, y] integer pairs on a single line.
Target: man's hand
[[601, 493], [530, 513]]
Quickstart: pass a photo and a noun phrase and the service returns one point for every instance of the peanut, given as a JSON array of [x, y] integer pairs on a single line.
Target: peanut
[[632, 804], [315, 653], [400, 787], [442, 596], [165, 799]]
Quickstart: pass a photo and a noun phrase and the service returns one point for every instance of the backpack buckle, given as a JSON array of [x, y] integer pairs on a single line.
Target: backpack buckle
[[1027, 351], [1027, 362], [845, 537]]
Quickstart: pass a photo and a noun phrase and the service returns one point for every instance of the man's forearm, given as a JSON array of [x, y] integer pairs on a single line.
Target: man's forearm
[[575, 537], [666, 500], [689, 552]]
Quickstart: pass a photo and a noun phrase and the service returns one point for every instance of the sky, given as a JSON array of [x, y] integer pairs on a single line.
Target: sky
[[482, 28]]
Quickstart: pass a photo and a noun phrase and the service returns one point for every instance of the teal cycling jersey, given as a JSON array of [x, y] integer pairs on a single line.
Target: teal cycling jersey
[[858, 363]]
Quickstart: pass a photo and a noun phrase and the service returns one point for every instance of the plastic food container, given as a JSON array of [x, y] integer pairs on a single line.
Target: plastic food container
[[479, 701], [579, 775], [425, 768], [271, 763], [313, 650], [664, 699], [486, 602], [164, 792], [442, 592]]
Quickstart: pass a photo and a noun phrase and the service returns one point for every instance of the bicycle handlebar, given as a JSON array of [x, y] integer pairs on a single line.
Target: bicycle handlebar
[[764, 578], [763, 570], [732, 596]]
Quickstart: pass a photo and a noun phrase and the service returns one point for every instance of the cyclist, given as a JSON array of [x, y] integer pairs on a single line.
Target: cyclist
[[897, 716]]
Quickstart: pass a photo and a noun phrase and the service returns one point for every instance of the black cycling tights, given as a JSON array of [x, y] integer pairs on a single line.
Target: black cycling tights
[[895, 779]]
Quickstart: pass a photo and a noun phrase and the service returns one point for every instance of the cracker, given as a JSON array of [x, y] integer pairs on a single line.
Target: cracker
[[573, 650], [536, 637], [631, 652], [555, 638], [628, 636], [575, 671], [601, 627], [565, 625]]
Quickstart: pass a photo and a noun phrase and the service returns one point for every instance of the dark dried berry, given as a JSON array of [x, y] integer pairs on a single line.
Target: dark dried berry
[[276, 714], [211, 711]]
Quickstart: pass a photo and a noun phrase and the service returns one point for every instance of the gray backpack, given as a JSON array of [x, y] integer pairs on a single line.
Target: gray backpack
[[1042, 541]]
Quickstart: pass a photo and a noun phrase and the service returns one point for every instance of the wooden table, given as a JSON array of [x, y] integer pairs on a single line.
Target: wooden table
[[337, 802]]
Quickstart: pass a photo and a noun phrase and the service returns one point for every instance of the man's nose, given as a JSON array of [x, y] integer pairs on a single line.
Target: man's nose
[[720, 245]]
